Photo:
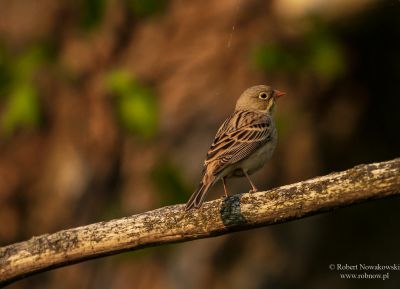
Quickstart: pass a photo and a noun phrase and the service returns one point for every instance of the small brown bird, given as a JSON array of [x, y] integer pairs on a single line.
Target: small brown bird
[[244, 142]]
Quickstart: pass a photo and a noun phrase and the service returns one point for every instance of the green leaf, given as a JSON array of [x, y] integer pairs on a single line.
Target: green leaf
[[22, 110], [135, 105]]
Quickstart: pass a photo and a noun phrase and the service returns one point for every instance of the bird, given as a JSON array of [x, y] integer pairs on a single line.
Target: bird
[[244, 142]]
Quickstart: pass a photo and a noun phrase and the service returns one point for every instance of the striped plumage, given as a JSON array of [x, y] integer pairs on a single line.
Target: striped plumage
[[243, 143]]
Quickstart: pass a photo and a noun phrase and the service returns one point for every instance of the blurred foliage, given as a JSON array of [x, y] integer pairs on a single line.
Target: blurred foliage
[[320, 54], [92, 13], [325, 55], [145, 8], [5, 74], [22, 110], [274, 58], [21, 103], [135, 105], [25, 65], [170, 182]]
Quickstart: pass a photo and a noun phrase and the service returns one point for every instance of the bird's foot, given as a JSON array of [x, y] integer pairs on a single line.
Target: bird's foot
[[254, 190]]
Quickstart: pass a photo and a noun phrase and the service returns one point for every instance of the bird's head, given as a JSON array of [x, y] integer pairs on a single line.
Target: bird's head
[[259, 97]]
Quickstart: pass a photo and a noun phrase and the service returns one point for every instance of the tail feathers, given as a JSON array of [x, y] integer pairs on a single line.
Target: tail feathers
[[197, 198]]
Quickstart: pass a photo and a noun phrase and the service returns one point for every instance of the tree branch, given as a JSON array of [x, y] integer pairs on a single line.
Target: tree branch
[[222, 216]]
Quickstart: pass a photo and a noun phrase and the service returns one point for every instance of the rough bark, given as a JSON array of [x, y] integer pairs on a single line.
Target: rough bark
[[221, 216]]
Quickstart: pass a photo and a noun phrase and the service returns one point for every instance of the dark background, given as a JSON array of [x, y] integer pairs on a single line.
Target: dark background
[[108, 107]]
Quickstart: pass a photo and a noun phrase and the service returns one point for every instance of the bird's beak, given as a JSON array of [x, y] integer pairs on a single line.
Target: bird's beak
[[279, 93]]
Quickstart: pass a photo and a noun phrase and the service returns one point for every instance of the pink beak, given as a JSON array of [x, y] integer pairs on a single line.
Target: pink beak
[[279, 93]]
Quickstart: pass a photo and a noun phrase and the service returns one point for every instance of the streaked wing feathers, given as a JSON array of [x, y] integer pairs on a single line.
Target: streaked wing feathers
[[239, 136]]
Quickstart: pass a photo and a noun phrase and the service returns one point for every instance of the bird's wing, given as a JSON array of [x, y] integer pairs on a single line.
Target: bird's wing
[[237, 138]]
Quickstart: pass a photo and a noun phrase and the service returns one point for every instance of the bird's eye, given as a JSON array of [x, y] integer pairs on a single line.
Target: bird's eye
[[262, 95]]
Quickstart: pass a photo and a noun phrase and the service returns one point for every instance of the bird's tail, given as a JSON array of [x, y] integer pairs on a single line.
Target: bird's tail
[[197, 198]]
